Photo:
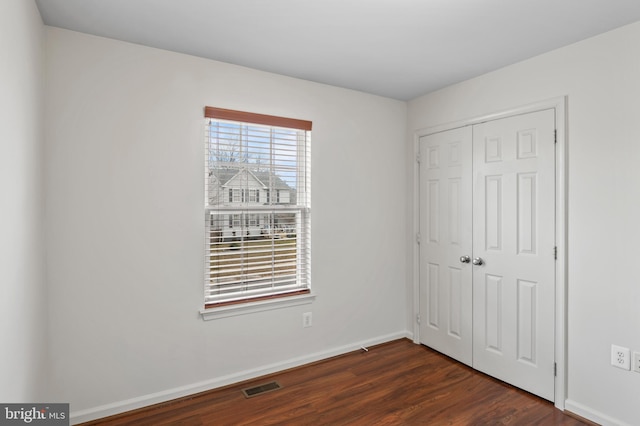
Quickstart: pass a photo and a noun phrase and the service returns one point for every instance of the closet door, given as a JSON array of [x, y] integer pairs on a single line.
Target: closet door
[[487, 246], [513, 250], [445, 248]]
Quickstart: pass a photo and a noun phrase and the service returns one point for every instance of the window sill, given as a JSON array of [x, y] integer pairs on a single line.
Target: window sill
[[253, 307]]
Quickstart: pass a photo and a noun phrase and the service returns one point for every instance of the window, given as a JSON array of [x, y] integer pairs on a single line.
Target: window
[[252, 220], [253, 196], [235, 195], [264, 252]]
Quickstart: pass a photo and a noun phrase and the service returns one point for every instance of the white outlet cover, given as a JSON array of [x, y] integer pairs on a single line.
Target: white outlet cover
[[307, 320], [620, 357], [635, 366]]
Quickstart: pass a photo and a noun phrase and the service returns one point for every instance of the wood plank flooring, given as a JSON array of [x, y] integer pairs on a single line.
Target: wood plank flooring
[[397, 383]]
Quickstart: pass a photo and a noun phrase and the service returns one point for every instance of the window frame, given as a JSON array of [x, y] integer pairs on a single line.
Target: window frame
[[250, 197]]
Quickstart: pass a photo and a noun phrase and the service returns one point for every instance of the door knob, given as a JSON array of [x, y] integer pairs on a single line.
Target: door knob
[[478, 261], [465, 259]]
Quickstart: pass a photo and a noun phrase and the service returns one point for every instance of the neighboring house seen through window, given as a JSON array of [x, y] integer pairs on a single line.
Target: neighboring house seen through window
[[257, 207]]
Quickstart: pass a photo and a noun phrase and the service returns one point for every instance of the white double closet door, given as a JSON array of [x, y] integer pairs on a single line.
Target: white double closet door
[[487, 250]]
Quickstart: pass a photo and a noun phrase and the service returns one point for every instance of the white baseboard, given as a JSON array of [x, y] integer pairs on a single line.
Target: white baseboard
[[590, 414], [179, 392]]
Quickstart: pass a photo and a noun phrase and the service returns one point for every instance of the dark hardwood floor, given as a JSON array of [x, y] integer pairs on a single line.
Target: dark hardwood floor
[[397, 383]]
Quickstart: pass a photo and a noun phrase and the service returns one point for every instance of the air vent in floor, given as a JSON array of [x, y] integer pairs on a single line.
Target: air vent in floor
[[258, 390]]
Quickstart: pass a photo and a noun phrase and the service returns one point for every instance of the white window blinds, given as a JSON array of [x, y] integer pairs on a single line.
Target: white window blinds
[[257, 206]]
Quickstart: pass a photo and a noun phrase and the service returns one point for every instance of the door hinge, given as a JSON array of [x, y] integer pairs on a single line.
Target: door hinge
[[418, 319], [555, 136], [418, 158], [555, 252], [555, 369], [418, 238]]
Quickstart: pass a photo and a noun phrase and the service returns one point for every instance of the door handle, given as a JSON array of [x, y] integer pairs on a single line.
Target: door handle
[[478, 261], [465, 259]]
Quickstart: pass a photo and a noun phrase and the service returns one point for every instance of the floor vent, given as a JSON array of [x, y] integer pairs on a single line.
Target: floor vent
[[258, 390]]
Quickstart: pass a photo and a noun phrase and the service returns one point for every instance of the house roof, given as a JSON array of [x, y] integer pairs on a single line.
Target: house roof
[[268, 179]]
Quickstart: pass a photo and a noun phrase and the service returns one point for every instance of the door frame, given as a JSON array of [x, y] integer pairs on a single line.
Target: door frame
[[559, 104]]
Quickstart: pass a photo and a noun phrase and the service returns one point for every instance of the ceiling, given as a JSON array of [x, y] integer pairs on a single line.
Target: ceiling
[[399, 49]]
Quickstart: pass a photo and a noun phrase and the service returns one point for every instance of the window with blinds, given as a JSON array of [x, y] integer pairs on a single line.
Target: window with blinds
[[257, 207]]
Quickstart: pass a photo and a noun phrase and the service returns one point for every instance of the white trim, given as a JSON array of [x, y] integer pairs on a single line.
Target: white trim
[[525, 109], [253, 307], [559, 105], [193, 388], [416, 245], [561, 262], [592, 415]]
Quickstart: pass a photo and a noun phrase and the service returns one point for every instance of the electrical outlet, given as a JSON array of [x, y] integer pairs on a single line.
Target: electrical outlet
[[620, 357], [306, 319], [635, 362]]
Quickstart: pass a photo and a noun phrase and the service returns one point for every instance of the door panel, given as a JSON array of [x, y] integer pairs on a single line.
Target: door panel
[[488, 192], [514, 234], [445, 225]]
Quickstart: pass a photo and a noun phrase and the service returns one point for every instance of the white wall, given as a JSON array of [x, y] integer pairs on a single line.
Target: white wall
[[23, 294], [601, 77], [124, 224]]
